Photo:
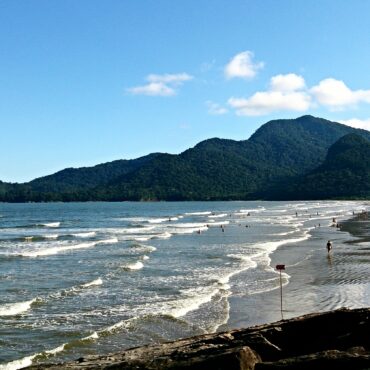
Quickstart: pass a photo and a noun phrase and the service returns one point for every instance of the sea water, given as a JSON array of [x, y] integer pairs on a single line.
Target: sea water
[[93, 278]]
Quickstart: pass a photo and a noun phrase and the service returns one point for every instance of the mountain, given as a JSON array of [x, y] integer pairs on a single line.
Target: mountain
[[227, 169], [277, 153], [71, 179], [345, 173]]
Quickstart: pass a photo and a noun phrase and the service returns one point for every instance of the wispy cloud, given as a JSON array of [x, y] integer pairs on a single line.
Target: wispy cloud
[[242, 66], [215, 109], [336, 95], [161, 85], [357, 123], [286, 92]]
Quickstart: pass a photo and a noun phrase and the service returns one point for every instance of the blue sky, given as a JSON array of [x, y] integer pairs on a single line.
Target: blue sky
[[85, 82]]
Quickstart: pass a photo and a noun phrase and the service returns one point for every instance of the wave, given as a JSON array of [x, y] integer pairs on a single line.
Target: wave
[[188, 224], [158, 220], [56, 250], [258, 210], [164, 235], [134, 266], [218, 223], [18, 364], [51, 224], [194, 299], [27, 361], [142, 238], [93, 336], [243, 258], [272, 246], [134, 230], [51, 236], [286, 233], [74, 290], [198, 213], [34, 238], [95, 282], [144, 248], [87, 234], [188, 230], [13, 309], [218, 216]]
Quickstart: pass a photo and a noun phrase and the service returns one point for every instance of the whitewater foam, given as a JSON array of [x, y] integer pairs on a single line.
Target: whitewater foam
[[142, 238], [144, 248], [59, 249], [218, 223], [27, 361], [12, 309], [134, 266], [158, 220], [51, 224], [165, 235], [190, 230], [218, 216], [18, 364], [51, 236], [188, 225], [88, 234], [95, 282], [198, 213]]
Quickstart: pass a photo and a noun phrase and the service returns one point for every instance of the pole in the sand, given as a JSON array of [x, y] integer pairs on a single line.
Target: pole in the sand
[[281, 268]]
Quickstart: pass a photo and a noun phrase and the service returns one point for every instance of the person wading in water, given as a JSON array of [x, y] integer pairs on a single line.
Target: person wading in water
[[329, 246]]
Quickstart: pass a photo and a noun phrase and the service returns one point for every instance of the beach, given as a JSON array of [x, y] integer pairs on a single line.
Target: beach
[[318, 281], [95, 278]]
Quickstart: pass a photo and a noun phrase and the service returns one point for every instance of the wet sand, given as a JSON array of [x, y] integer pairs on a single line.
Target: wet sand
[[318, 281]]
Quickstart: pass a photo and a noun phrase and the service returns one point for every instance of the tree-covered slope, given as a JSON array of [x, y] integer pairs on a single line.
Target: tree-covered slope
[[71, 179], [299, 144], [277, 152], [228, 169], [344, 174]]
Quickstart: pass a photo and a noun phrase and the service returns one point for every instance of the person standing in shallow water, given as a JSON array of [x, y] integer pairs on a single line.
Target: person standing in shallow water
[[329, 246]]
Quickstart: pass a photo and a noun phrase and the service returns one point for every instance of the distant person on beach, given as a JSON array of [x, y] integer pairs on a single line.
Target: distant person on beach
[[329, 246]]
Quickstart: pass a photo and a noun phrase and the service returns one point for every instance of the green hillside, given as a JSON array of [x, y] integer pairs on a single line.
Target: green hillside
[[256, 168], [344, 174]]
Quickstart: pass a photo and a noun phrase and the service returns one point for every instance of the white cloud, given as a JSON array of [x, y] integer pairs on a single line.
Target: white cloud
[[336, 95], [161, 85], [285, 93], [357, 123], [242, 66], [176, 79], [153, 89], [215, 109], [288, 82]]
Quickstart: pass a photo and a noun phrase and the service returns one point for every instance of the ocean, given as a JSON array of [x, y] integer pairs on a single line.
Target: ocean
[[93, 278]]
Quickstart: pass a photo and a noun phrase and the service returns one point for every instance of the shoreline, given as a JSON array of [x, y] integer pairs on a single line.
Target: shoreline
[[318, 282]]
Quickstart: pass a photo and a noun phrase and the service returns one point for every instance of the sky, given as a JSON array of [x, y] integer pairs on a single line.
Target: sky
[[84, 82]]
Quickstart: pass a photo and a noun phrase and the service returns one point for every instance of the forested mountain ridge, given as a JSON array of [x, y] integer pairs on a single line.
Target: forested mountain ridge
[[345, 173], [278, 152]]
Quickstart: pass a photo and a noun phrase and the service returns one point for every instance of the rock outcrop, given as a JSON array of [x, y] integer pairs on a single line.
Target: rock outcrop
[[332, 340]]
